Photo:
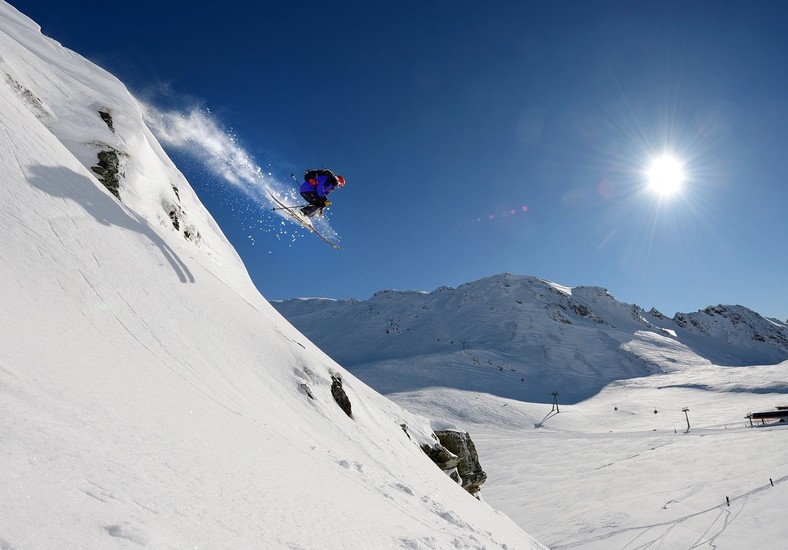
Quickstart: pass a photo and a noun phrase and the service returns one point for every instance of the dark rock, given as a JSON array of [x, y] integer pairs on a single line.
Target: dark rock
[[106, 116], [30, 99], [470, 470], [174, 218], [656, 313], [340, 396], [191, 234], [178, 217], [108, 170], [307, 390], [441, 456]]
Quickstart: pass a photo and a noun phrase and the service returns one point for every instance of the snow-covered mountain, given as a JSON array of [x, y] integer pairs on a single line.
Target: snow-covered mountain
[[149, 396], [536, 337], [648, 446]]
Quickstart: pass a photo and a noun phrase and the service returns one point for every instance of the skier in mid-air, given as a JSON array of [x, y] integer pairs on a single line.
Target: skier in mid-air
[[315, 189]]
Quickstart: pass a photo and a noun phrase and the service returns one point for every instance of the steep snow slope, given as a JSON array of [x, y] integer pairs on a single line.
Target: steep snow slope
[[87, 110], [149, 396], [534, 335]]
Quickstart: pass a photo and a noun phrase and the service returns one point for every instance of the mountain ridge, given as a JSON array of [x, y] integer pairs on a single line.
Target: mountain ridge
[[528, 326]]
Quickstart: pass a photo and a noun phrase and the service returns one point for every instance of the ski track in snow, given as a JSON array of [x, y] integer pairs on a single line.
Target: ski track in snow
[[706, 527], [713, 531]]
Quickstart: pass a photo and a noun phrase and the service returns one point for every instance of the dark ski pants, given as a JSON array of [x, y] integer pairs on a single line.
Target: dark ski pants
[[316, 202]]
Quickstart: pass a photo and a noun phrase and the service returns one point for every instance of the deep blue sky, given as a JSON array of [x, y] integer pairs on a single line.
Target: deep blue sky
[[447, 116]]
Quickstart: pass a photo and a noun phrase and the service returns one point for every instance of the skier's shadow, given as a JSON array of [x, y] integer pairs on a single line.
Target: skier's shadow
[[63, 182]]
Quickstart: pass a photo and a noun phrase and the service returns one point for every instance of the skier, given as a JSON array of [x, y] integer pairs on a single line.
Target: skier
[[315, 189]]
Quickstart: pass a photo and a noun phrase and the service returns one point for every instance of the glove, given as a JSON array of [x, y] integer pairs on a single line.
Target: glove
[[327, 203]]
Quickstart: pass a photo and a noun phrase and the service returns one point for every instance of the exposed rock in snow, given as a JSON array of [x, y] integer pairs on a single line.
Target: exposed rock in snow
[[469, 469], [108, 168], [340, 396]]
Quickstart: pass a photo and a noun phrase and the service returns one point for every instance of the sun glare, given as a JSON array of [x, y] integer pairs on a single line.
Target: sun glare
[[665, 175]]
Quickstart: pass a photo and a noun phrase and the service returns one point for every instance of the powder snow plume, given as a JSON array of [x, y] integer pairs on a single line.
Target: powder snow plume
[[196, 132]]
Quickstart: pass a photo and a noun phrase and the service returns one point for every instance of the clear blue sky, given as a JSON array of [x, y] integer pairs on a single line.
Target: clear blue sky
[[449, 117]]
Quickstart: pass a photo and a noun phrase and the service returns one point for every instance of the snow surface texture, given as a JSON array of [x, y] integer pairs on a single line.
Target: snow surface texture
[[149, 396], [618, 466]]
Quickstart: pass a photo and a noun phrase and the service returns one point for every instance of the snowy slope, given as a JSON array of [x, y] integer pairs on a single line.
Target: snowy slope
[[533, 335], [617, 467], [622, 470], [149, 396]]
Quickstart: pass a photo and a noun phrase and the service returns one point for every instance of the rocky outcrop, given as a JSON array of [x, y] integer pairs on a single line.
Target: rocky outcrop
[[654, 312], [455, 454], [28, 98], [172, 206], [108, 169], [106, 116], [737, 326], [340, 396], [468, 467], [442, 457]]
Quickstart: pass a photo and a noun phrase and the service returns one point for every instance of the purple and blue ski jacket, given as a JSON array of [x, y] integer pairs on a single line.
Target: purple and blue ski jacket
[[322, 185]]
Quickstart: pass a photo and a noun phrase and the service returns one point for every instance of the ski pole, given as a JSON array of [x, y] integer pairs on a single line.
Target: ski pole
[[289, 207], [292, 175]]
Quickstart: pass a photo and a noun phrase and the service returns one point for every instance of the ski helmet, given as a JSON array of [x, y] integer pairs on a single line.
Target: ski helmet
[[340, 181]]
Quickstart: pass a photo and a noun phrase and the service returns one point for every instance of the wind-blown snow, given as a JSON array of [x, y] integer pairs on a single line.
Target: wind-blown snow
[[196, 132], [149, 396], [222, 153]]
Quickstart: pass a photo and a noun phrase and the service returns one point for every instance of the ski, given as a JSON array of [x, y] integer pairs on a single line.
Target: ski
[[303, 221]]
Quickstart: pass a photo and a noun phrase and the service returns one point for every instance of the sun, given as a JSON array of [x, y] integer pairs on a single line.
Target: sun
[[665, 175]]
